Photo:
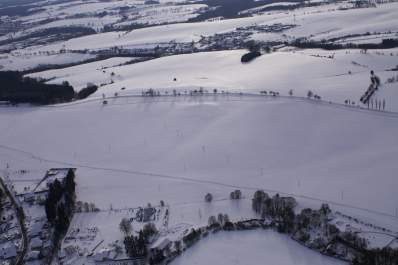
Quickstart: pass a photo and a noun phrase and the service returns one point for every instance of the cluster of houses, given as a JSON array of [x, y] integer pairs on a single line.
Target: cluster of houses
[[237, 39], [225, 41], [274, 28], [10, 235], [40, 241], [10, 240], [86, 242], [147, 214], [38, 230], [150, 50]]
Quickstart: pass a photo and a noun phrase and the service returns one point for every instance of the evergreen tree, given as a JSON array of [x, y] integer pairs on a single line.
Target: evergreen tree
[[70, 184], [125, 226], [50, 210]]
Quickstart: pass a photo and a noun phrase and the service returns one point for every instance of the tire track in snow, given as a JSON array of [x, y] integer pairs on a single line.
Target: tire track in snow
[[239, 97], [192, 180]]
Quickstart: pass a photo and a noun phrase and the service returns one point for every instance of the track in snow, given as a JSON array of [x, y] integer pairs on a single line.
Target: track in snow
[[181, 178]]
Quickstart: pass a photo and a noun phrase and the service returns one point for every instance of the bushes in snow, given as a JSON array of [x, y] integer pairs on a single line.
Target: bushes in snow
[[259, 199], [85, 207], [236, 195], [149, 231], [87, 91], [250, 56], [311, 94], [192, 237], [208, 197], [280, 209], [125, 226], [135, 246]]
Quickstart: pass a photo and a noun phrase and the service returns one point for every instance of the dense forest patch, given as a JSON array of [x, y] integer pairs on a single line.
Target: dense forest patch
[[18, 89]]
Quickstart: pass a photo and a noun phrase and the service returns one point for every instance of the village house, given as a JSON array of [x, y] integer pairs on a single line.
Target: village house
[[105, 254]]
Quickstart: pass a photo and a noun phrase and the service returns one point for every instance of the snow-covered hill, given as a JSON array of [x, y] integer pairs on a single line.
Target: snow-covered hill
[[334, 75], [137, 150], [216, 142], [130, 149], [313, 22]]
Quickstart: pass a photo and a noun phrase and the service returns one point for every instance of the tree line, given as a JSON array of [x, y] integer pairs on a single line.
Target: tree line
[[60, 203], [2, 195], [385, 44], [136, 246], [16, 88]]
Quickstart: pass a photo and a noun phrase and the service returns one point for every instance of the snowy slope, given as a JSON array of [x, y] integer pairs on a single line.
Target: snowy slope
[[280, 71], [98, 14], [249, 248], [136, 151], [78, 76], [317, 22], [14, 62]]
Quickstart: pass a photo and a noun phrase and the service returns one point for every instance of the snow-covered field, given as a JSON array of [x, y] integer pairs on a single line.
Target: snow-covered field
[[18, 62], [96, 15], [316, 23], [132, 150], [78, 76], [137, 150], [313, 22], [250, 248], [153, 15], [281, 71]]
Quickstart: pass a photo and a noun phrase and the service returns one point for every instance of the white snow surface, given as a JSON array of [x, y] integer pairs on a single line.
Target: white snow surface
[[13, 62], [280, 71], [90, 14], [313, 22], [139, 150], [250, 247], [78, 76]]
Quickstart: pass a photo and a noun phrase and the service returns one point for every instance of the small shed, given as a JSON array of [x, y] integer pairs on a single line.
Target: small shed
[[104, 254]]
